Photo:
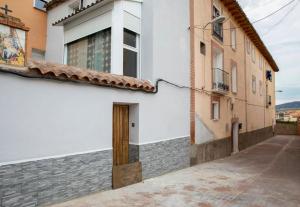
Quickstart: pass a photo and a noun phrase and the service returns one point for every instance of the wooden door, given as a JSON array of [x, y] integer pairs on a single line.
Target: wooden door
[[120, 134]]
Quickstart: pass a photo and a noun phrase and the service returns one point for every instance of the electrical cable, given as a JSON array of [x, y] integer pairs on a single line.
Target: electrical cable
[[254, 22], [197, 90], [281, 20], [273, 12]]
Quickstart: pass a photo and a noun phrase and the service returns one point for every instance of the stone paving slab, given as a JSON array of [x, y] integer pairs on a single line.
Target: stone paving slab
[[264, 175]]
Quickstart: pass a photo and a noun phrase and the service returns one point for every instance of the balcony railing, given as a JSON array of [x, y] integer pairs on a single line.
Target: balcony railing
[[220, 82]]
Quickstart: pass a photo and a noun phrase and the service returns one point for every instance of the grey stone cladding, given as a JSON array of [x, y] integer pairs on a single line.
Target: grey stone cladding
[[163, 157], [133, 153], [42, 182]]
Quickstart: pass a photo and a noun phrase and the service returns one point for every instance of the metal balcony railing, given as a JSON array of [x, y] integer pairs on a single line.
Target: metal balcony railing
[[220, 82]]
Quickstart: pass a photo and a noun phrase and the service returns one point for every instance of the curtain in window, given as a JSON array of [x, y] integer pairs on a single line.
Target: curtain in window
[[92, 52]]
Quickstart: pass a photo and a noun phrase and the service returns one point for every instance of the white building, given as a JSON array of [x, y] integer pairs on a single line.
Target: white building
[[62, 142]]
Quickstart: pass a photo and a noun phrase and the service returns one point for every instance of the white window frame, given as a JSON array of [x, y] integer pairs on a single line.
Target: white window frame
[[34, 5], [137, 50], [233, 38], [215, 114], [248, 47], [260, 62], [253, 53]]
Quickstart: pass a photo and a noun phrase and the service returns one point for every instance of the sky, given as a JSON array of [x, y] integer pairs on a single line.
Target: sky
[[281, 35]]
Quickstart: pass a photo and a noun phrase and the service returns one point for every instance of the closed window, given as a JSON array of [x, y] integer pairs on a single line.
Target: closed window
[[234, 78], [248, 46], [215, 110], [253, 84], [91, 52], [39, 4], [233, 38], [130, 54], [260, 88], [253, 53], [260, 62]]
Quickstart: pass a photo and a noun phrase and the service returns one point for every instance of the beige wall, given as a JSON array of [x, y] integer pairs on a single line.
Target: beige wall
[[249, 108], [33, 18]]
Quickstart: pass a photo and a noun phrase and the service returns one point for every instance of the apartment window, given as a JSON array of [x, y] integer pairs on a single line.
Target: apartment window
[[217, 27], [130, 54], [202, 48], [39, 4], [260, 88], [234, 78], [91, 52], [260, 62], [215, 108], [220, 77], [253, 84], [253, 53], [248, 45], [233, 38]]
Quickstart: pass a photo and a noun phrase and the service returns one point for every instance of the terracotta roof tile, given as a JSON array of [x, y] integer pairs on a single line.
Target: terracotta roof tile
[[48, 70]]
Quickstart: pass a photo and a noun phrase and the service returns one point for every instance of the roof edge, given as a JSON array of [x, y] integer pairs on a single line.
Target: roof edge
[[251, 31], [46, 70]]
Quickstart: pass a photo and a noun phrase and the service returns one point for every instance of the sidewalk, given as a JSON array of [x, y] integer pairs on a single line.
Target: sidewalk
[[267, 174]]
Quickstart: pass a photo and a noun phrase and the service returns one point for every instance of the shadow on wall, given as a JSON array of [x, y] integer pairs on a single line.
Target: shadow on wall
[[203, 133]]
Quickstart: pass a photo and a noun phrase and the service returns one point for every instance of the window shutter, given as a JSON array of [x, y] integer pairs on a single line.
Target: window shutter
[[234, 79]]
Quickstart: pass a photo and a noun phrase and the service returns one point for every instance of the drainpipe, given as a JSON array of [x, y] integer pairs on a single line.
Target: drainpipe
[[192, 72], [246, 96]]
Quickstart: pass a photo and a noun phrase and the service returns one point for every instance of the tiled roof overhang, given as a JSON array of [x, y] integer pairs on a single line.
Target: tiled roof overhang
[[243, 21], [39, 69], [80, 12]]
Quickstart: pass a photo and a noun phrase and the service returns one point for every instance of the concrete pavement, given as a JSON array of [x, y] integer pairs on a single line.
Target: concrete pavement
[[267, 174]]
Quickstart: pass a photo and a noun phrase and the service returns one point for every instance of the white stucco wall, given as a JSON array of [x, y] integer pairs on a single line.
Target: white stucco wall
[[42, 118]]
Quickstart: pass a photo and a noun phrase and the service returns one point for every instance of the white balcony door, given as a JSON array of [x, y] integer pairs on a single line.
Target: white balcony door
[[218, 66]]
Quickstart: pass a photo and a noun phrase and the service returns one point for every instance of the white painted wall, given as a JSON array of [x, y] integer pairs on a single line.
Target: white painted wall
[[42, 118]]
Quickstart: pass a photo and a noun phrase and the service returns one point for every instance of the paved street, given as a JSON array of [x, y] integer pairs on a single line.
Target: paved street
[[267, 174]]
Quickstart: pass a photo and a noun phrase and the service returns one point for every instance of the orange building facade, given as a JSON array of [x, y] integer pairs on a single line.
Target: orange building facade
[[32, 14]]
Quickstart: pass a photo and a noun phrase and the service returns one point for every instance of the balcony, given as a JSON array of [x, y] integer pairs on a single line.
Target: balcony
[[220, 82]]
